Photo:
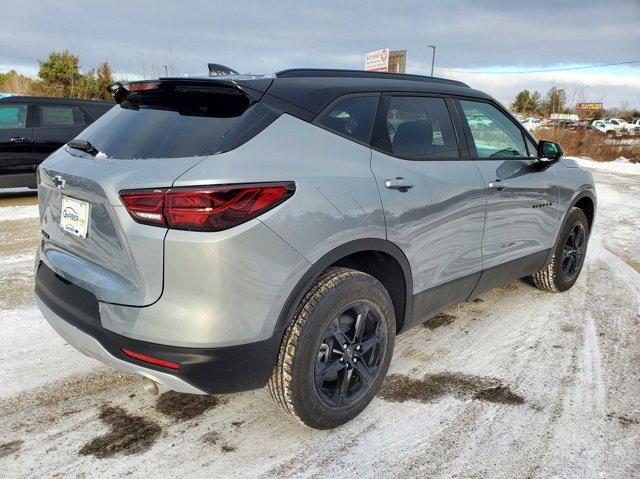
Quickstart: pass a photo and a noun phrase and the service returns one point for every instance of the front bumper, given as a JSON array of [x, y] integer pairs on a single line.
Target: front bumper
[[73, 313]]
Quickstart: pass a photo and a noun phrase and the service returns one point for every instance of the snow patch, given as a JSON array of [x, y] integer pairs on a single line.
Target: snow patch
[[619, 165], [12, 213], [32, 354], [17, 258]]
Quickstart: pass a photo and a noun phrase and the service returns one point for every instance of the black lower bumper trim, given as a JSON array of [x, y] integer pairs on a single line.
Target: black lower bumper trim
[[212, 370]]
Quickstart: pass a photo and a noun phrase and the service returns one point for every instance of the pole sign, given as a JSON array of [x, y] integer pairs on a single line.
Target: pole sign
[[377, 61]]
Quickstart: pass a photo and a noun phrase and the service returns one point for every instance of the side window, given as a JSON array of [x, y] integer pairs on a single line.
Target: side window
[[499, 137], [418, 127], [352, 117], [13, 116], [61, 116]]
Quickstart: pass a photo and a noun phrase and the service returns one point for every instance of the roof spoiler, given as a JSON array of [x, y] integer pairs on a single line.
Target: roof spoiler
[[252, 89]]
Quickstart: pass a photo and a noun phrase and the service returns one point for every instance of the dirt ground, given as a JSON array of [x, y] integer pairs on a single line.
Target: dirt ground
[[515, 384]]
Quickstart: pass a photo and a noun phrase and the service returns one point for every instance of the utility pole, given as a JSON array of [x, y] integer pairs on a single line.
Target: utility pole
[[433, 57]]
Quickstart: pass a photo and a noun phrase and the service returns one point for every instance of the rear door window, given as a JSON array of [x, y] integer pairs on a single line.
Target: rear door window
[[54, 115], [351, 117], [497, 138], [417, 128], [13, 116]]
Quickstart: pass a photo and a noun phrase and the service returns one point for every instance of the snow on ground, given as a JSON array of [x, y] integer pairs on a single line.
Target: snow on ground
[[518, 383], [12, 213], [619, 165], [32, 347]]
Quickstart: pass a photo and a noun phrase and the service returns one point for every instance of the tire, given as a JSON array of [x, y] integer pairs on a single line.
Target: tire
[[554, 277], [329, 312]]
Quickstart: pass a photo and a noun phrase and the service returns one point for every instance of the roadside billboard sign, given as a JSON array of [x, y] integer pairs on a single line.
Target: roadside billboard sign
[[377, 61], [589, 106], [397, 61]]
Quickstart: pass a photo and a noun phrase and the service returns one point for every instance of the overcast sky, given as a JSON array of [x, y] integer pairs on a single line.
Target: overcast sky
[[257, 36]]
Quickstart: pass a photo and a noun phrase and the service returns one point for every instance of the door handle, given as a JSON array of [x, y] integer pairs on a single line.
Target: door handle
[[498, 185], [20, 139], [399, 184]]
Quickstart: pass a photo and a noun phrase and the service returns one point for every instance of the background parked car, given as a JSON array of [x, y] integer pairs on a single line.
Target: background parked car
[[624, 127], [605, 126], [31, 128], [531, 123], [479, 120]]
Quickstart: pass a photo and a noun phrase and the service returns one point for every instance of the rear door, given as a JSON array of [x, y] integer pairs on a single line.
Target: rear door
[[55, 126], [522, 194], [16, 138], [433, 197]]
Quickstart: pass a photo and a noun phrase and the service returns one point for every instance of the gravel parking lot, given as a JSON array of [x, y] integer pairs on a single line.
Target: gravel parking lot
[[516, 383]]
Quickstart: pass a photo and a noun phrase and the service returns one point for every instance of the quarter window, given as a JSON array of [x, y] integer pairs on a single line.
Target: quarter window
[[418, 127], [533, 150], [61, 116], [13, 116], [352, 117], [498, 137]]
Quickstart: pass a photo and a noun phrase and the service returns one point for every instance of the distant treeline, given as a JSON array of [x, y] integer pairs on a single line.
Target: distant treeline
[[59, 75]]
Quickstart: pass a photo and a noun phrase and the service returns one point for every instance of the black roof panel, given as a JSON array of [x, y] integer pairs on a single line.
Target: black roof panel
[[313, 90], [333, 73]]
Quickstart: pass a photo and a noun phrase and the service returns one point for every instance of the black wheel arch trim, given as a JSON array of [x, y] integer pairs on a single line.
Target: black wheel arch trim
[[585, 193], [335, 255]]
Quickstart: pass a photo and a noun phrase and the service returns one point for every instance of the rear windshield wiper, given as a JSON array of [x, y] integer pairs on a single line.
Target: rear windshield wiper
[[83, 145]]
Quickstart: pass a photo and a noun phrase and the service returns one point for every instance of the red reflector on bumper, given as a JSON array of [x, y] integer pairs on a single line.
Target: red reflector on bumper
[[150, 360]]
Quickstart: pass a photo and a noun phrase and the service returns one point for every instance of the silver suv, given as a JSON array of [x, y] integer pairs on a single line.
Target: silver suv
[[214, 235]]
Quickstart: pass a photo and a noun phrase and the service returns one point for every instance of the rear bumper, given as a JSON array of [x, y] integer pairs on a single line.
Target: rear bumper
[[73, 312]]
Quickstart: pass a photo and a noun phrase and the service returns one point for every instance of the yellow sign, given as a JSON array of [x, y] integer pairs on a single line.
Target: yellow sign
[[589, 106]]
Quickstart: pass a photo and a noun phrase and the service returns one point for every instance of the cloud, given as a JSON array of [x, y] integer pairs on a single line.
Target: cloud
[[610, 86], [137, 38]]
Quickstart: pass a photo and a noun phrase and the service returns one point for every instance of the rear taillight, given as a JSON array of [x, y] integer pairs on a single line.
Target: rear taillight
[[145, 206], [204, 208]]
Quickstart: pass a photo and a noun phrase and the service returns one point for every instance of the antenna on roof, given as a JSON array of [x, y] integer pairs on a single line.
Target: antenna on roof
[[218, 70]]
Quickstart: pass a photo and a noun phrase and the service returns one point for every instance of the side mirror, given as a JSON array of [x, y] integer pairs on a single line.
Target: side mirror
[[549, 150]]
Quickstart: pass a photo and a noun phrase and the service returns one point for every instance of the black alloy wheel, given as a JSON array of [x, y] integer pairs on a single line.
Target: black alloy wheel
[[349, 355], [573, 251]]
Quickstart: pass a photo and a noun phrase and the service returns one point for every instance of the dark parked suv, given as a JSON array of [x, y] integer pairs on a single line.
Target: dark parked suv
[[31, 128]]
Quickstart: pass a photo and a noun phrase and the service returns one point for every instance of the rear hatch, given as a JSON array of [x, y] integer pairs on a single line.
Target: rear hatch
[[157, 132]]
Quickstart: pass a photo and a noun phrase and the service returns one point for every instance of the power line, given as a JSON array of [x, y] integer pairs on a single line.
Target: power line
[[521, 72]]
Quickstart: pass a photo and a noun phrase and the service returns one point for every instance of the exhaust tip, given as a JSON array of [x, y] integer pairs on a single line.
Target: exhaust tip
[[150, 386]]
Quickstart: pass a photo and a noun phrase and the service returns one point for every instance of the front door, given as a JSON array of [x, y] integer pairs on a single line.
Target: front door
[[16, 139], [522, 194], [433, 199]]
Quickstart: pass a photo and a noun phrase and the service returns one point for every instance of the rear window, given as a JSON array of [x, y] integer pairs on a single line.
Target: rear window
[[168, 120], [150, 133]]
